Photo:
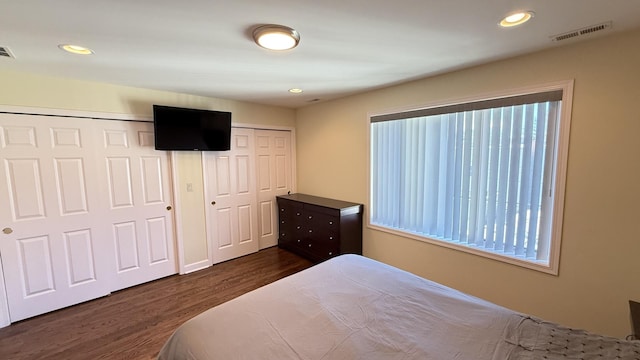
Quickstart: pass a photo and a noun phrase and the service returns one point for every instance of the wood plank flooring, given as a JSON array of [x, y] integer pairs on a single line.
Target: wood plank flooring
[[134, 323]]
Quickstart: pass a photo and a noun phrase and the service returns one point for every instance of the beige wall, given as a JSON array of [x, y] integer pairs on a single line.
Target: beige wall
[[600, 258], [30, 90]]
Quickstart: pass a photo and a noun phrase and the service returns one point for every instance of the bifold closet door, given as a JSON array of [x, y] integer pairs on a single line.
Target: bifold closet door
[[230, 193], [53, 247], [135, 183], [86, 210], [274, 177]]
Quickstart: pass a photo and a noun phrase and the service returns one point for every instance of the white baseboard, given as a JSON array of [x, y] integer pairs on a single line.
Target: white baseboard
[[200, 265]]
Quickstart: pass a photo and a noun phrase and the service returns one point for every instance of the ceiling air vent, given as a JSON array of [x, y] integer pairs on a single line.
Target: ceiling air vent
[[582, 32], [5, 52]]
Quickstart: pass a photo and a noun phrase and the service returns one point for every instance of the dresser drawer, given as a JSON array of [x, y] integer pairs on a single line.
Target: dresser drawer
[[289, 208], [324, 226], [324, 249]]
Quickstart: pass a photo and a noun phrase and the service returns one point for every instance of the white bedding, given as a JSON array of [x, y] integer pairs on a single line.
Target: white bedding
[[351, 307]]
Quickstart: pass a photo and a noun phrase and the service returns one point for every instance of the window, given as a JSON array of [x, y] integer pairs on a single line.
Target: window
[[485, 176]]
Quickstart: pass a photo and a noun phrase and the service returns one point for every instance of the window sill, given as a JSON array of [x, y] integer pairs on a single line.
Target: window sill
[[542, 266]]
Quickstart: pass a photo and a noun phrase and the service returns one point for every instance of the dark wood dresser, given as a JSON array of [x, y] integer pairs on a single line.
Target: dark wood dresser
[[319, 228]]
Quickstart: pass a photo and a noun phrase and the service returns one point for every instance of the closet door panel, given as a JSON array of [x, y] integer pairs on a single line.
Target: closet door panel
[[71, 187], [140, 212], [230, 190], [87, 210], [51, 247], [274, 174]]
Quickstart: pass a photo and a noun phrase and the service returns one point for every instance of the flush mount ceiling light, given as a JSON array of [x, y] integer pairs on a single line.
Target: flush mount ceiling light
[[517, 18], [276, 37], [76, 49], [295, 91]]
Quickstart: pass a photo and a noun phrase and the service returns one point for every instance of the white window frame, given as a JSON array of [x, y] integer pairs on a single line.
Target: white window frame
[[559, 178]]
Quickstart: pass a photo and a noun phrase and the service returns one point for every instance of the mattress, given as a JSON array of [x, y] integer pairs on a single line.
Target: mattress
[[352, 307]]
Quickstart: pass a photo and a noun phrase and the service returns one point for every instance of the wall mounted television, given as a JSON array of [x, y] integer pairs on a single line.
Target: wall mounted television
[[191, 129]]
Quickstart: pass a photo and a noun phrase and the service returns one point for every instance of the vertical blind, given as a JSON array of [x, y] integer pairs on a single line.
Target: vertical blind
[[476, 174]]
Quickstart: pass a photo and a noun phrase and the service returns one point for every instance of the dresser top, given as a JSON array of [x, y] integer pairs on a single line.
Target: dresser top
[[320, 201]]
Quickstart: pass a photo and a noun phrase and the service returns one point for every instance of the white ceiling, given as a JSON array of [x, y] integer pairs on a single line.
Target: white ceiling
[[204, 47]]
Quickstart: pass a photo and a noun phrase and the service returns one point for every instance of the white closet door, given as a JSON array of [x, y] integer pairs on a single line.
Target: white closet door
[[274, 177], [52, 248], [134, 180], [231, 198]]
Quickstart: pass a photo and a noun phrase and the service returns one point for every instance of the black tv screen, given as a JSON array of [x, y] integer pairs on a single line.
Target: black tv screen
[[191, 129]]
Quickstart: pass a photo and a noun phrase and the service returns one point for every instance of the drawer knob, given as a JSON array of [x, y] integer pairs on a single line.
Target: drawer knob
[[281, 209], [330, 253], [310, 217], [309, 245], [298, 214], [330, 222], [310, 230], [298, 240], [330, 237]]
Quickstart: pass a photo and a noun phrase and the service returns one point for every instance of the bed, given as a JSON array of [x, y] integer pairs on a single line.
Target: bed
[[352, 307]]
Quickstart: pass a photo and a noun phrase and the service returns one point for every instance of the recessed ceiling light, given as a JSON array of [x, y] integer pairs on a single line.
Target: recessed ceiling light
[[516, 18], [76, 49], [295, 91], [276, 37]]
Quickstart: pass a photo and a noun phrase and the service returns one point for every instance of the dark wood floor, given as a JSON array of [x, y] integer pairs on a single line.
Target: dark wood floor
[[135, 322]]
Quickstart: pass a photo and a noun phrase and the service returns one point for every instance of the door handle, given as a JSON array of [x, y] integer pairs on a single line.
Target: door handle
[[169, 207], [7, 230], [213, 203]]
